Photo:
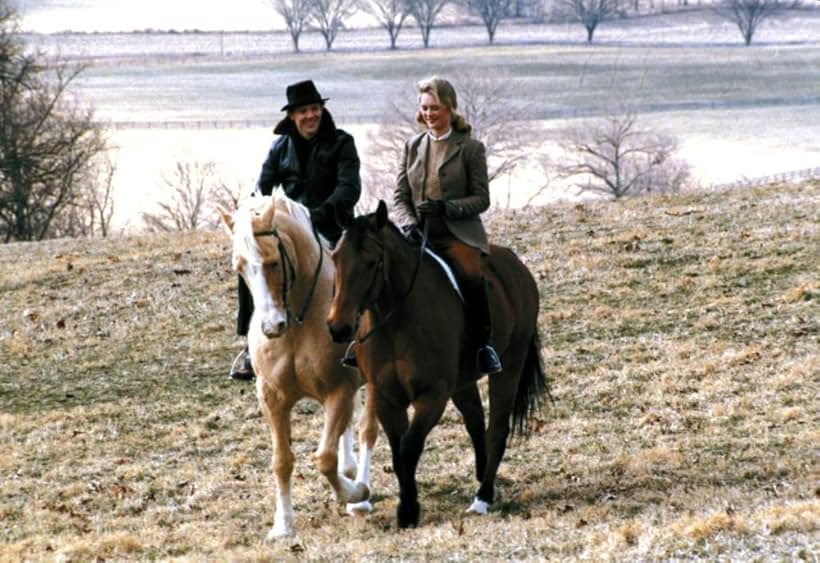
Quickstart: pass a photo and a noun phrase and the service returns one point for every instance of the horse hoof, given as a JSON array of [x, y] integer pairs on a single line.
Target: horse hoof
[[359, 508], [478, 507], [353, 492], [280, 531], [407, 514], [361, 494]]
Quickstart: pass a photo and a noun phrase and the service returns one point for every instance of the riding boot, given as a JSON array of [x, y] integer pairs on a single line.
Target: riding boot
[[487, 357], [242, 368]]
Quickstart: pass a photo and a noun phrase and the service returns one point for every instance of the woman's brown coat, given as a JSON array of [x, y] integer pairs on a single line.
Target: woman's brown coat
[[464, 186]]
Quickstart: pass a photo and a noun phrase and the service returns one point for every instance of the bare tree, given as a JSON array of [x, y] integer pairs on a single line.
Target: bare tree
[[390, 14], [749, 14], [228, 195], [425, 13], [329, 17], [589, 12], [90, 212], [483, 100], [191, 206], [615, 157], [296, 14], [99, 195], [47, 138], [491, 13]]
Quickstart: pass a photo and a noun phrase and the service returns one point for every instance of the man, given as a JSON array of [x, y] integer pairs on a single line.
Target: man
[[317, 165]]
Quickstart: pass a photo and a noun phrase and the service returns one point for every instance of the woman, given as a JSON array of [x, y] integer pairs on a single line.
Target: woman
[[442, 182]]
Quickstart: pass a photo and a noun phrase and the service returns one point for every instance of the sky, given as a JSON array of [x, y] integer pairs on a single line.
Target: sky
[[48, 16]]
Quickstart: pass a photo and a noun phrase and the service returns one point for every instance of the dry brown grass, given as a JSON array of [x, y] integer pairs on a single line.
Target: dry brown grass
[[681, 334]]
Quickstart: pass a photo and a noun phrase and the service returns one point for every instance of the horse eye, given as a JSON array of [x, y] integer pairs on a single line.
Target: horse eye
[[273, 265]]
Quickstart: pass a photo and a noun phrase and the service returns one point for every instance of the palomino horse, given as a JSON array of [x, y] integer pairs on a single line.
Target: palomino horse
[[290, 275], [414, 348]]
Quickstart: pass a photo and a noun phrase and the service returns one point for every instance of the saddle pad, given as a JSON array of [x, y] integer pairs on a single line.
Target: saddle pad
[[448, 271]]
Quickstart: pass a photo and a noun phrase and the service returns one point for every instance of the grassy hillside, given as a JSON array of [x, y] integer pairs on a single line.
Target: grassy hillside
[[681, 334]]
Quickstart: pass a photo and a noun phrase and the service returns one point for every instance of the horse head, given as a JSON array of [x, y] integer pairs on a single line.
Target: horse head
[[360, 271], [264, 254]]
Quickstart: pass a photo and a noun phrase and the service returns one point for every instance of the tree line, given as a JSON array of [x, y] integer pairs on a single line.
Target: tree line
[[329, 17]]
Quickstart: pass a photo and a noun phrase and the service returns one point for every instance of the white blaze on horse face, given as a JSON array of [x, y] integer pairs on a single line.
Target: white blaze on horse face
[[272, 317]]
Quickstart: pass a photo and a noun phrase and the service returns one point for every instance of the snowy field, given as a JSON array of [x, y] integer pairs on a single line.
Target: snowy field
[[738, 112]]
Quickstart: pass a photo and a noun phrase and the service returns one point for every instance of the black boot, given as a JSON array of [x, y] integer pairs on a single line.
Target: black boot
[[488, 361], [487, 358], [242, 369]]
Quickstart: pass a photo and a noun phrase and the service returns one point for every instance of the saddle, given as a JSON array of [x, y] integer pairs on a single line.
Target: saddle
[[448, 271]]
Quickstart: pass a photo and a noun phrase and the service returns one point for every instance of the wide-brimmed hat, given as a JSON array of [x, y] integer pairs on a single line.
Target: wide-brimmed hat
[[302, 94]]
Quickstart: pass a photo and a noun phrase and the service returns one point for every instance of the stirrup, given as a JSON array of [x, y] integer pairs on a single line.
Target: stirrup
[[349, 360], [241, 368], [488, 361]]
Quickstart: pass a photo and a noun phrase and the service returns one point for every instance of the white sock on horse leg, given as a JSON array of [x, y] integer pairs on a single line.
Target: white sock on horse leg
[[478, 507], [347, 458]]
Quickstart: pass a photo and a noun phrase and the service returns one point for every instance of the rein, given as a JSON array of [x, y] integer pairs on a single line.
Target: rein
[[287, 266], [396, 302]]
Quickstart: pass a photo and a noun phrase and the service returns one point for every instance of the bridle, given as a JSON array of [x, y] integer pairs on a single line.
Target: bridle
[[371, 305], [290, 270]]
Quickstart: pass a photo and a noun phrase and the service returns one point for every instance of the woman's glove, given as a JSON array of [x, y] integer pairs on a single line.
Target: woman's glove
[[431, 209]]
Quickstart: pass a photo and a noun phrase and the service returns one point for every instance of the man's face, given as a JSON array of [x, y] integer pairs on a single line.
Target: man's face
[[307, 119]]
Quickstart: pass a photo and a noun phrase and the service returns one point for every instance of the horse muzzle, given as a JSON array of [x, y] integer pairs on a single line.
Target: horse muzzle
[[340, 334], [273, 328]]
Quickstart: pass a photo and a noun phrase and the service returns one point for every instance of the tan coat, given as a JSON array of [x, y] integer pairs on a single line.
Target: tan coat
[[464, 186]]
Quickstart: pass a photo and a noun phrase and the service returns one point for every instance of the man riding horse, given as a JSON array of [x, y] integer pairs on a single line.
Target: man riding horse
[[317, 165]]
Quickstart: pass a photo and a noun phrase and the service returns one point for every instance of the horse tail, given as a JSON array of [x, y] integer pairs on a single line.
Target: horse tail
[[532, 386]]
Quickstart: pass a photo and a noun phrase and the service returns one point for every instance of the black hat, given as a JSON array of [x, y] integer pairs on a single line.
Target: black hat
[[303, 94]]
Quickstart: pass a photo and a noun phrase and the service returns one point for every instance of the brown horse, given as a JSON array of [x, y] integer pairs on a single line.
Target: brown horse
[[288, 270], [413, 347]]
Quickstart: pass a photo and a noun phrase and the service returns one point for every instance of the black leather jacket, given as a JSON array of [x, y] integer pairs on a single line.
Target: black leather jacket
[[330, 179]]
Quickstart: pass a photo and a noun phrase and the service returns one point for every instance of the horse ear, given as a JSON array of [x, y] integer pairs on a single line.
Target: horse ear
[[227, 218], [381, 214], [268, 213]]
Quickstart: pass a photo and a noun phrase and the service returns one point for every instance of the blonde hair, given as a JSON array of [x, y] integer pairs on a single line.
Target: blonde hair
[[445, 94]]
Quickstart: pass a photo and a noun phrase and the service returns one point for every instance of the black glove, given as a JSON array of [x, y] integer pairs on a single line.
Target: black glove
[[320, 215], [431, 209]]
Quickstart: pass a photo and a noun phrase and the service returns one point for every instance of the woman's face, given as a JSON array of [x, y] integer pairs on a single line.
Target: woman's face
[[436, 116]]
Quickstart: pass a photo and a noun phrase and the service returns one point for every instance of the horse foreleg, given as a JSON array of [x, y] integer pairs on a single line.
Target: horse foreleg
[[368, 433], [278, 416], [347, 458], [338, 412], [427, 410], [394, 421]]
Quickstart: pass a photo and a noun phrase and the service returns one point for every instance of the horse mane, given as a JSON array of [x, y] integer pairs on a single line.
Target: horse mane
[[245, 240]]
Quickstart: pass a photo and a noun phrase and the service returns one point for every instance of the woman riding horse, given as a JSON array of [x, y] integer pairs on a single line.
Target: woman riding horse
[[442, 186], [412, 354]]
